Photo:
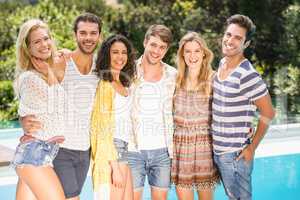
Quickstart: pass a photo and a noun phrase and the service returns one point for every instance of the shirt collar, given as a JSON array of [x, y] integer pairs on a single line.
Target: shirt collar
[[140, 69]]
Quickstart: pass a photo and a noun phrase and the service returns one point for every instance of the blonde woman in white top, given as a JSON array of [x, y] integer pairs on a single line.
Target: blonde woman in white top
[[43, 97]]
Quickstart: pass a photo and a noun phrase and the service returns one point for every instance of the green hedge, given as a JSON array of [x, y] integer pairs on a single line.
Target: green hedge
[[8, 105], [275, 46]]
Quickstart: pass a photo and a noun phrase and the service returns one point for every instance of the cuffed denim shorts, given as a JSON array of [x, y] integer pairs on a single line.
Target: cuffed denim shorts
[[155, 164], [235, 175], [122, 149], [36, 152]]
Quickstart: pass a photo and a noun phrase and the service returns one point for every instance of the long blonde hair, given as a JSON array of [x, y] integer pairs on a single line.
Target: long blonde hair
[[23, 62], [206, 72]]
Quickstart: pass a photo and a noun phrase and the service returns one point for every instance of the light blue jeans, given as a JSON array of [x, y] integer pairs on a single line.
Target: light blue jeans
[[122, 149], [155, 164], [235, 175]]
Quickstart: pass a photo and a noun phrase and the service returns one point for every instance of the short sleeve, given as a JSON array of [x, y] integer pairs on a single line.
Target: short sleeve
[[35, 95], [32, 94], [252, 86]]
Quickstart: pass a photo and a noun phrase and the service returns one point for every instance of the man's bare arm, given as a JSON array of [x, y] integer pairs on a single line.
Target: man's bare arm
[[267, 113], [30, 124]]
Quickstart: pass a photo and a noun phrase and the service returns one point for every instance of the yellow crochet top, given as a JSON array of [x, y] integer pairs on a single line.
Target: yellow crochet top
[[102, 127]]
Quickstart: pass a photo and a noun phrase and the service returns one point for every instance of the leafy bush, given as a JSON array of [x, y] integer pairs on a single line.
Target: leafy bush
[[8, 105], [59, 19], [275, 46], [287, 94], [135, 24], [292, 36], [6, 94]]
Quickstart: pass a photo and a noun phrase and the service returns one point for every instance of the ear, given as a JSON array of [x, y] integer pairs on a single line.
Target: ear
[[100, 40], [247, 44], [74, 35], [145, 42]]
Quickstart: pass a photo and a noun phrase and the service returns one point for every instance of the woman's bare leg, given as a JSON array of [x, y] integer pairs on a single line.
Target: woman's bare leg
[[184, 193], [41, 181], [206, 194], [129, 184], [23, 191]]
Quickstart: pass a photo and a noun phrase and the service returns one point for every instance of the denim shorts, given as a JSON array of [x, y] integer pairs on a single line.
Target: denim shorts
[[235, 175], [122, 149], [155, 164], [36, 152]]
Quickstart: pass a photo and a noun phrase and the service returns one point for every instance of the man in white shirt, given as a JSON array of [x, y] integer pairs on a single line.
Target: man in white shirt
[[151, 145]]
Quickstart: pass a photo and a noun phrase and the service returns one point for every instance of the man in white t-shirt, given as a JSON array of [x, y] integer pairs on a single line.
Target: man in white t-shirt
[[151, 145]]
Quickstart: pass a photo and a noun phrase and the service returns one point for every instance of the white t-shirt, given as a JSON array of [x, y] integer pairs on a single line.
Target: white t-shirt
[[150, 127]]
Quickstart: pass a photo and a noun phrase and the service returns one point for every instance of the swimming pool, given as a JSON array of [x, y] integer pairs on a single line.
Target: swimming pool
[[276, 173]]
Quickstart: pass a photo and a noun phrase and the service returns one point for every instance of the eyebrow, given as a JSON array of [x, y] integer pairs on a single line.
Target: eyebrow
[[119, 50], [237, 36], [44, 37]]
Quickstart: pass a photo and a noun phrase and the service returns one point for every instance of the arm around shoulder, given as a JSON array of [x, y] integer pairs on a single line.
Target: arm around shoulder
[[59, 68]]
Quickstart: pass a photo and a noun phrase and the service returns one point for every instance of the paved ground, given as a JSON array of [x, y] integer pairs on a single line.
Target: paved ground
[[6, 155]]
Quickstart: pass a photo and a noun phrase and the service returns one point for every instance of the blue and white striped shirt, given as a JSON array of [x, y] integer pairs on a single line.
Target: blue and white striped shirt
[[233, 109]]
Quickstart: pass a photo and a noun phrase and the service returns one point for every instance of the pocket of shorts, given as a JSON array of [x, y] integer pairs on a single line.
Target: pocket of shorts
[[121, 145], [163, 158], [226, 159], [19, 155]]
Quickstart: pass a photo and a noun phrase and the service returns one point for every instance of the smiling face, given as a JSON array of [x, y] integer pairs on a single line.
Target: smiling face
[[40, 44], [118, 56], [87, 36], [155, 50], [233, 42], [193, 55]]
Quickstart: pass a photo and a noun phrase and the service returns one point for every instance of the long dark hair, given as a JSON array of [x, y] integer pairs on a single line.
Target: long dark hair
[[103, 65]]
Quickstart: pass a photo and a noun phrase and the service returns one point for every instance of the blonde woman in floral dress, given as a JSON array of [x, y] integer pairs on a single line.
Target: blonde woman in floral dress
[[192, 164]]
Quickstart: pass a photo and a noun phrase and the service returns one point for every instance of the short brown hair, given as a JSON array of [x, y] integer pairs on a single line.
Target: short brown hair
[[163, 32], [87, 17], [243, 21]]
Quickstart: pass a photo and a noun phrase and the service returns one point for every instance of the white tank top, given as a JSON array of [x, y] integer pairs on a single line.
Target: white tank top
[[123, 122], [80, 90]]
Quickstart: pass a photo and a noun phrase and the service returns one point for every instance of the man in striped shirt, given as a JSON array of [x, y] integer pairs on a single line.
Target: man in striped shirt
[[238, 90]]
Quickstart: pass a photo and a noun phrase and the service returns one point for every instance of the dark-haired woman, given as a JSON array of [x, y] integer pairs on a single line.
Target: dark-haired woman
[[111, 125]]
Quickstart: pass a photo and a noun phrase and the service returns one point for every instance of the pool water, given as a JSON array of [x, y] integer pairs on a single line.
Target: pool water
[[9, 124], [276, 173], [274, 178]]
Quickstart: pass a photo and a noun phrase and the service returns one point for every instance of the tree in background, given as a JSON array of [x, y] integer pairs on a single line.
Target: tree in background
[[275, 50], [60, 20], [287, 76]]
